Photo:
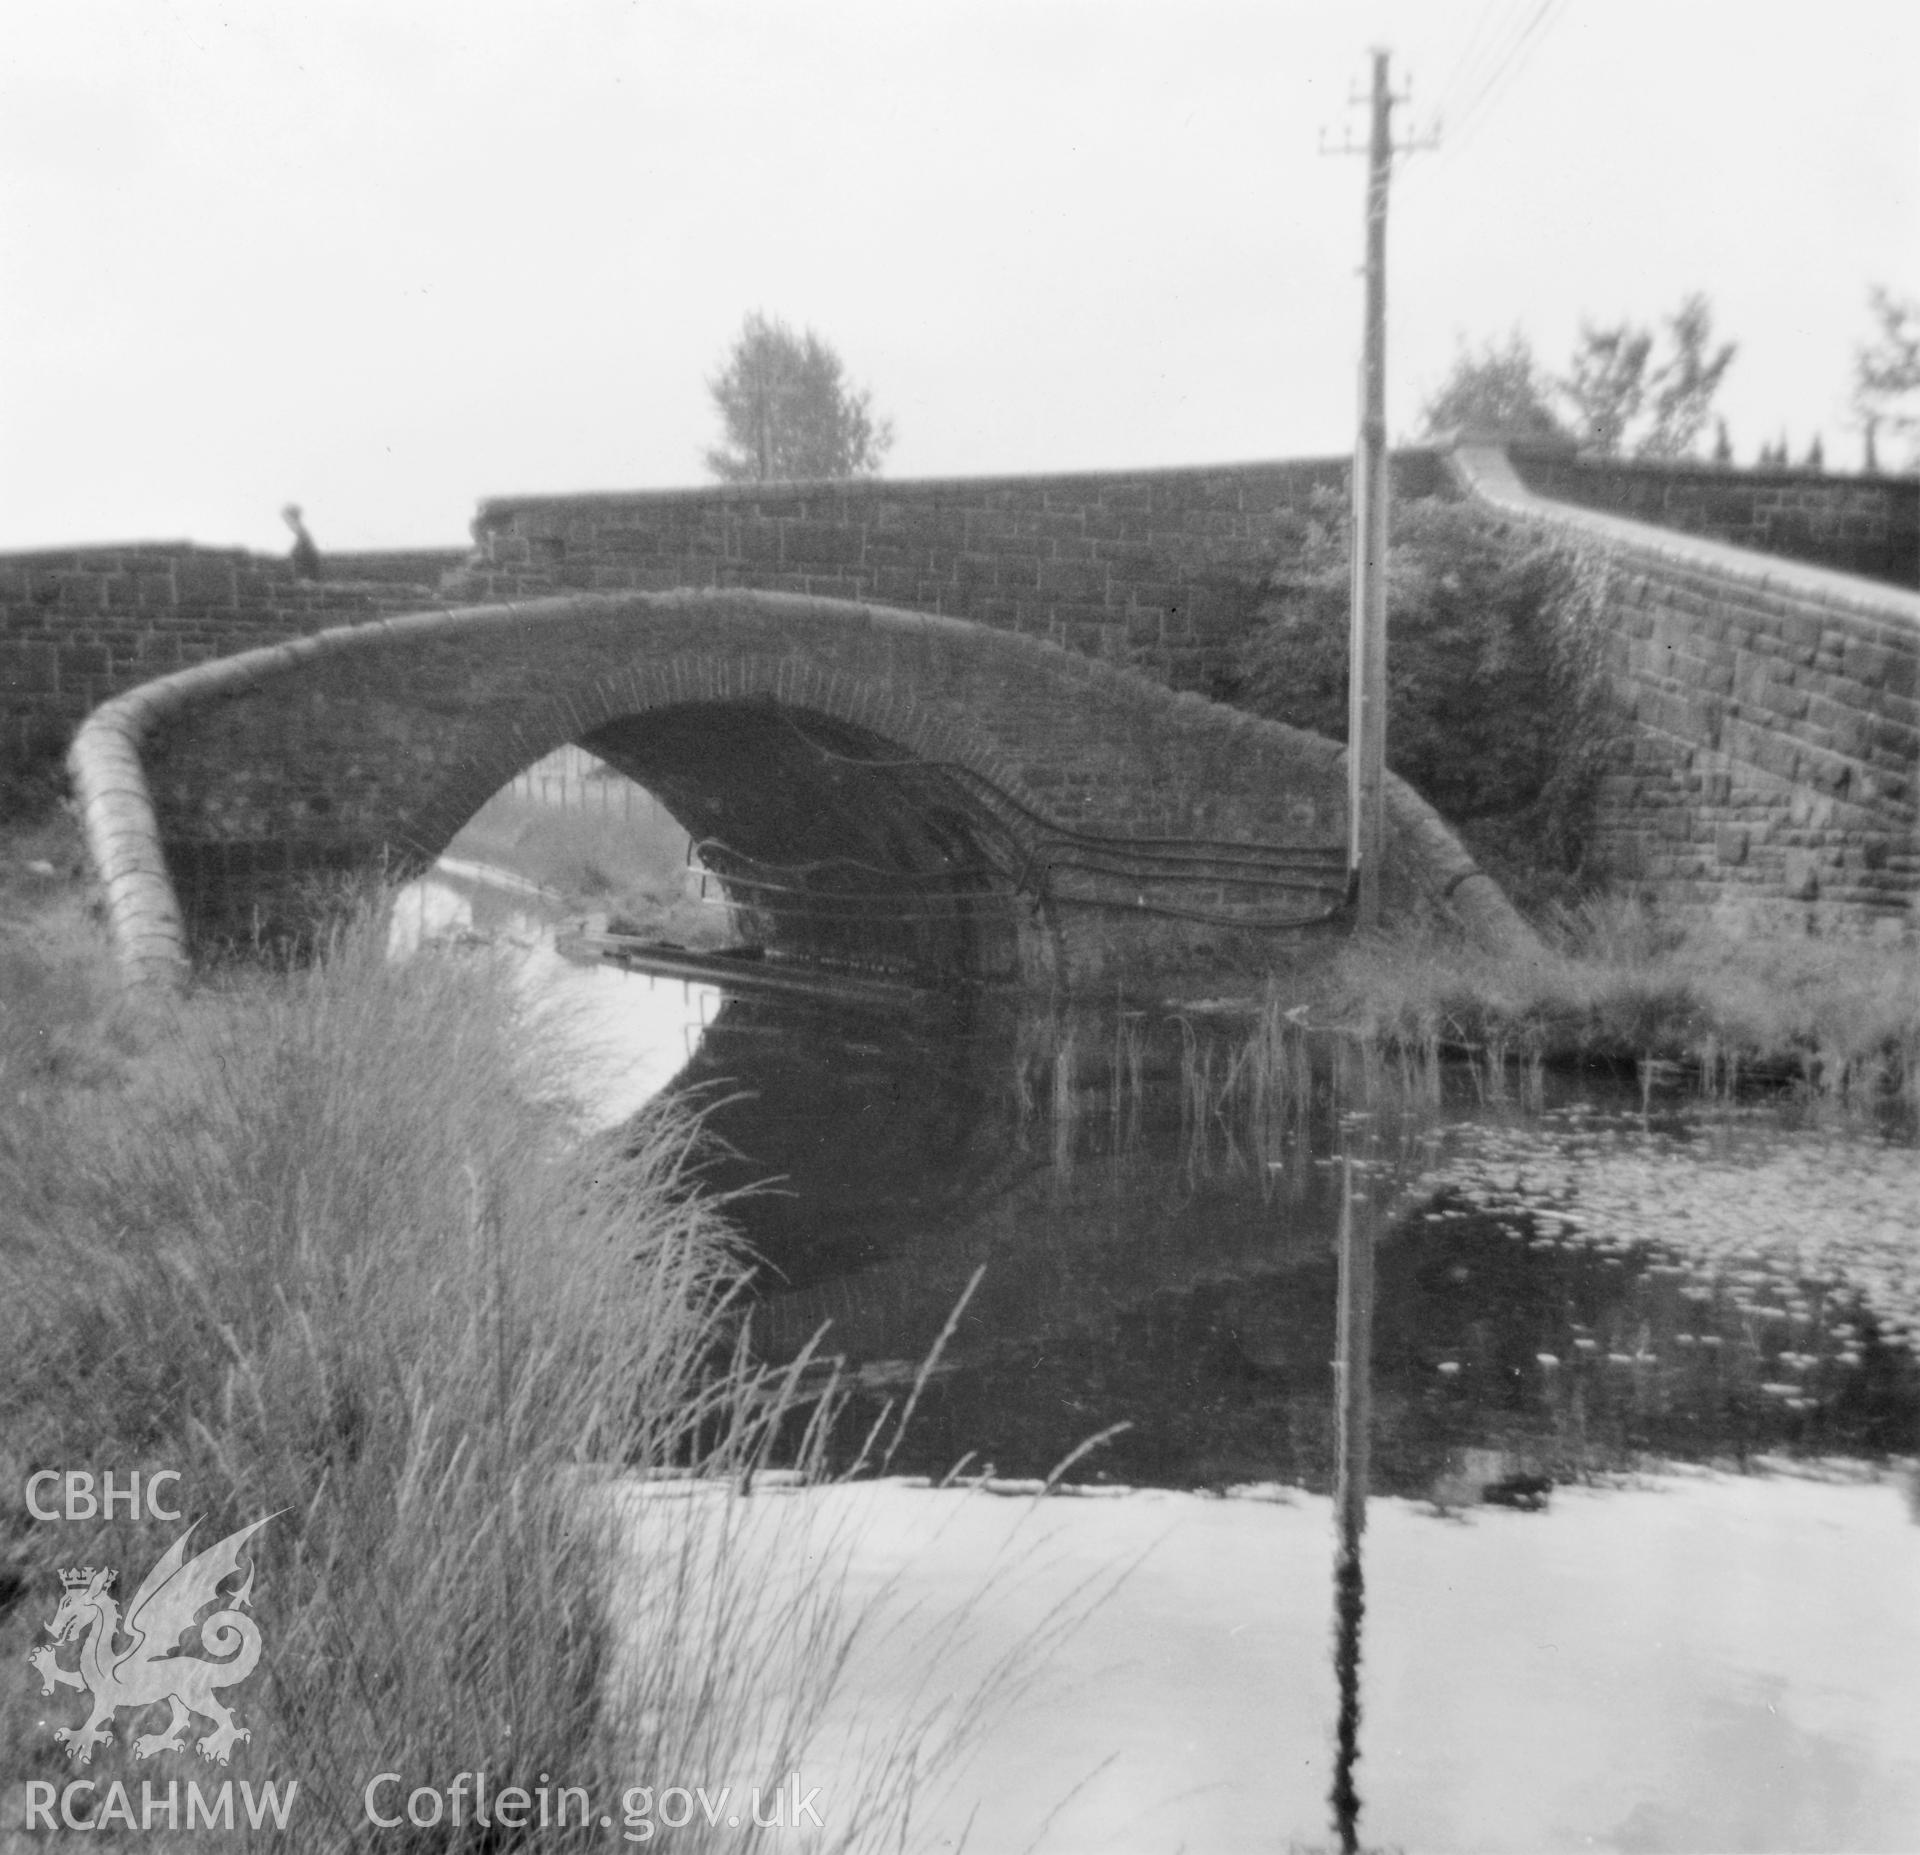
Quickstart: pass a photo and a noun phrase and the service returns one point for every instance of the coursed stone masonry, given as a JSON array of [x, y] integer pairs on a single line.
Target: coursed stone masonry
[[1769, 762], [78, 625], [1162, 569], [1853, 524], [856, 742]]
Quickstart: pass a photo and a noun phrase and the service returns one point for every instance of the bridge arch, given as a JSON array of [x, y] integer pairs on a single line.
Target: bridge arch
[[846, 820], [713, 675], [1028, 802]]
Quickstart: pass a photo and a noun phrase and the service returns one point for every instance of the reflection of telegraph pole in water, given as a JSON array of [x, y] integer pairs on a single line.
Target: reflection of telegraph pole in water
[[1353, 1406]]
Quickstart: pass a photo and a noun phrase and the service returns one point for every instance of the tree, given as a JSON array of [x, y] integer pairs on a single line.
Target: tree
[[1607, 383], [1620, 398], [1499, 390], [1683, 386], [1886, 371], [787, 412], [1624, 403]]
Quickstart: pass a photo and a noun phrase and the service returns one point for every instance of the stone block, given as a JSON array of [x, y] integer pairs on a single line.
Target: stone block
[[821, 544], [73, 591], [1755, 681], [84, 659], [1799, 632], [1076, 580], [29, 669], [154, 591], [1773, 753], [1871, 664], [939, 528], [754, 543], [1894, 741], [1064, 521]]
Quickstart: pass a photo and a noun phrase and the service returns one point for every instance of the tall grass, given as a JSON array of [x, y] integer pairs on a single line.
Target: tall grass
[[1616, 982], [327, 1245]]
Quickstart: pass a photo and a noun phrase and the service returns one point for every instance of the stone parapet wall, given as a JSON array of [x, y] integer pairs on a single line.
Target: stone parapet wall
[[409, 566], [1769, 763], [1160, 568], [1853, 524], [79, 625]]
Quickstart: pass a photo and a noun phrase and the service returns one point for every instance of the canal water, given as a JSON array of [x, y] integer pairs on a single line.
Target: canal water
[[1644, 1572], [1572, 1272], [1100, 1246]]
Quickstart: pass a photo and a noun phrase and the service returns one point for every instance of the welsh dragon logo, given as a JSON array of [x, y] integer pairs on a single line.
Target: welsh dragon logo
[[147, 1670]]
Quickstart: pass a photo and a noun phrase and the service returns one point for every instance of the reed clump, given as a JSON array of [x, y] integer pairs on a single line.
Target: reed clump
[[1613, 982], [328, 1244]]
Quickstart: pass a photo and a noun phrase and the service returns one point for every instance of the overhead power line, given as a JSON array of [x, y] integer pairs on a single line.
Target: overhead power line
[[1479, 53], [1511, 59]]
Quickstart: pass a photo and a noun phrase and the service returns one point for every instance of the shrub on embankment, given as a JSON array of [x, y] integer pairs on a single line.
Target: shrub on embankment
[[327, 1244], [1497, 707]]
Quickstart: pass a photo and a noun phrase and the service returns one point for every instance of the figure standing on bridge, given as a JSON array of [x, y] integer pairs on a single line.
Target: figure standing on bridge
[[304, 556]]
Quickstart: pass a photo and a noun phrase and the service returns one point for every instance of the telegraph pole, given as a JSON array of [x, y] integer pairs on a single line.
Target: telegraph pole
[[1367, 636]]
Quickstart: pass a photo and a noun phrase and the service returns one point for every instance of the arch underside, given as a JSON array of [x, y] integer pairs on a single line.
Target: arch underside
[[834, 845], [839, 845]]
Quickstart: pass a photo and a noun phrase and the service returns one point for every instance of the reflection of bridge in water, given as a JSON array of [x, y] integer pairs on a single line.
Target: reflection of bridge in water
[[1158, 1255]]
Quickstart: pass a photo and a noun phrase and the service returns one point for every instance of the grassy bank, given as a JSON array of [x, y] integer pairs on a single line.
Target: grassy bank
[[1615, 984], [326, 1244]]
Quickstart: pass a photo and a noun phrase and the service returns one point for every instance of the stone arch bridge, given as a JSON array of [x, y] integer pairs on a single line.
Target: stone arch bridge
[[934, 724], [875, 787]]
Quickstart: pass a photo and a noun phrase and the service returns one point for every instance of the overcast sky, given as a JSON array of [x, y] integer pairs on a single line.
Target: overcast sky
[[388, 258]]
